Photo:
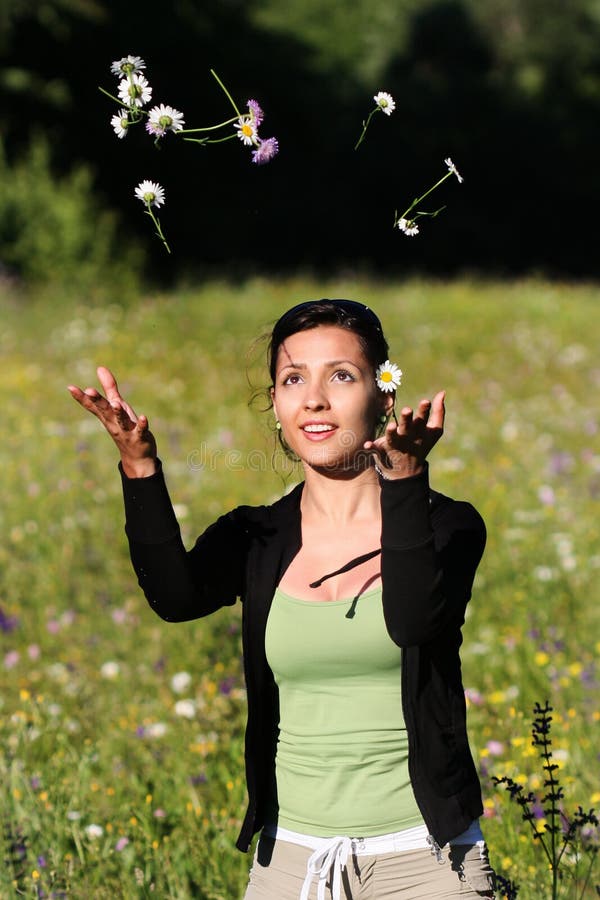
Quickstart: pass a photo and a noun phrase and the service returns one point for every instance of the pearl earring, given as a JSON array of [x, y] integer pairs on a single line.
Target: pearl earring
[[278, 425]]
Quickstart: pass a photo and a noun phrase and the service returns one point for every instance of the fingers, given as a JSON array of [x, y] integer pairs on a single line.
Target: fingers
[[109, 383]]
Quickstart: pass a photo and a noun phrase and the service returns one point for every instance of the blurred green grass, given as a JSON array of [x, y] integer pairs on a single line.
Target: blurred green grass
[[90, 733]]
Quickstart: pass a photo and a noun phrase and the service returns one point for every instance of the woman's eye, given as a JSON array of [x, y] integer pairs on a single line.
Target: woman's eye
[[343, 375], [292, 379]]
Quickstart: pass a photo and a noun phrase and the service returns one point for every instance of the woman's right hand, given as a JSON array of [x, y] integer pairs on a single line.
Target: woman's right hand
[[129, 431]]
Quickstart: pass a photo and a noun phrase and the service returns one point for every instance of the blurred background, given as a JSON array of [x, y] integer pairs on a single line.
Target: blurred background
[[510, 89]]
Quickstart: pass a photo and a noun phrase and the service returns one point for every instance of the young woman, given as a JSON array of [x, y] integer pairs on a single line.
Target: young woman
[[354, 585]]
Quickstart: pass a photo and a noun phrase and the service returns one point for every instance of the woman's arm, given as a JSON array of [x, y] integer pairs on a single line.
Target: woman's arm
[[430, 549], [178, 585], [181, 585]]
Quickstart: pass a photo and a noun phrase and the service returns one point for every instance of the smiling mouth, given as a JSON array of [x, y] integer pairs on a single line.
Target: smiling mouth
[[317, 429]]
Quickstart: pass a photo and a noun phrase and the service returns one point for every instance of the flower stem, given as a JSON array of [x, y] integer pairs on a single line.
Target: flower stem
[[226, 92], [405, 214], [210, 127], [112, 97], [365, 126], [157, 226]]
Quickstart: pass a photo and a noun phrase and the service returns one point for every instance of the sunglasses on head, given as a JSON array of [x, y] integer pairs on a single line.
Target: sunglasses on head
[[352, 307]]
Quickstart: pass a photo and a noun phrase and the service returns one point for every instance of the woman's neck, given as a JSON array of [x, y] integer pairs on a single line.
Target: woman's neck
[[329, 497]]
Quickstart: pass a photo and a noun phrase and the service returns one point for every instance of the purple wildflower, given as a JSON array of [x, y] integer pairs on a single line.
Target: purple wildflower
[[195, 780], [255, 111], [267, 149], [7, 623], [226, 685], [121, 844]]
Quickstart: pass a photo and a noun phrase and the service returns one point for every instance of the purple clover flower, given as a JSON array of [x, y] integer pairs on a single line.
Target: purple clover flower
[[267, 149], [255, 111]]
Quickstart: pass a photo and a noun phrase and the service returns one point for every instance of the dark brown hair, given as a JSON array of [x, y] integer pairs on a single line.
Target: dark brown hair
[[354, 316]]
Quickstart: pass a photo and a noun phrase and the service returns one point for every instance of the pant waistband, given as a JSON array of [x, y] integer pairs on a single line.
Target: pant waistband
[[407, 839], [330, 855]]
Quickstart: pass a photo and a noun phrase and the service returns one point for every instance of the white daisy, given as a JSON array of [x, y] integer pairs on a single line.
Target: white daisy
[[120, 124], [128, 65], [452, 168], [388, 377], [385, 102], [163, 118], [246, 131], [150, 192], [135, 91], [408, 227]]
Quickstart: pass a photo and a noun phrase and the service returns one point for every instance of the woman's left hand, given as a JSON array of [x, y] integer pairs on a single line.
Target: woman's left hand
[[403, 447]]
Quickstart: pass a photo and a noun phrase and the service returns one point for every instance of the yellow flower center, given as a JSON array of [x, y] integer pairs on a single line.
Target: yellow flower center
[[247, 130], [386, 376]]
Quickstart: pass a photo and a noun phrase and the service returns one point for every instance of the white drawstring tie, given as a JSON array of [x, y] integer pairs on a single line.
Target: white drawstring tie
[[333, 853]]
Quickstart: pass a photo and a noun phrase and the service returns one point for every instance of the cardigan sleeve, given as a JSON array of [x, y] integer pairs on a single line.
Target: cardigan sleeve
[[430, 548], [181, 585]]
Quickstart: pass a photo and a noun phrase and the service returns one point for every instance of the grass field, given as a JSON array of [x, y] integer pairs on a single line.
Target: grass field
[[121, 736]]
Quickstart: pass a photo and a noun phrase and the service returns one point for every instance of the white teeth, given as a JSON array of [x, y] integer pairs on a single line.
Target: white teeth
[[317, 428]]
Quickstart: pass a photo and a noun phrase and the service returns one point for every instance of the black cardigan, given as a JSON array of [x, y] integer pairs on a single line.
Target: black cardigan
[[430, 548]]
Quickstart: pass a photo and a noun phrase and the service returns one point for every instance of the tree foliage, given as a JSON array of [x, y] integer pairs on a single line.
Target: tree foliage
[[509, 88]]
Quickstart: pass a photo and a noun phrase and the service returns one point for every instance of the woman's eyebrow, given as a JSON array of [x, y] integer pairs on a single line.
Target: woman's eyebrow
[[330, 365]]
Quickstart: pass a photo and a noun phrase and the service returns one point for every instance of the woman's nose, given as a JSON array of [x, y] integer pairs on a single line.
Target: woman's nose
[[316, 398]]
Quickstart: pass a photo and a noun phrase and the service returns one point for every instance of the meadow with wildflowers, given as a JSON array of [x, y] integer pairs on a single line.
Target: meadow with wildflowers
[[120, 735]]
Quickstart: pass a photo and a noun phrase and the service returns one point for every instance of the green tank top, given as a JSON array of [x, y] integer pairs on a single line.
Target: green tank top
[[342, 754]]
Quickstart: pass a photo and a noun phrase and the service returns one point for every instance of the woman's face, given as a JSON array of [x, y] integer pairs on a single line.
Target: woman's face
[[326, 398]]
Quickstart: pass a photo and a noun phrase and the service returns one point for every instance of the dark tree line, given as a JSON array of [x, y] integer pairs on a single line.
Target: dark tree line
[[510, 90]]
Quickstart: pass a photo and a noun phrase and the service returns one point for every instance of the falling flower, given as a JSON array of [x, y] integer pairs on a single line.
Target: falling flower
[[385, 102], [128, 65], [150, 193], [406, 221], [267, 149], [120, 124], [246, 131], [408, 227], [256, 112], [134, 91], [388, 376], [163, 118], [453, 170]]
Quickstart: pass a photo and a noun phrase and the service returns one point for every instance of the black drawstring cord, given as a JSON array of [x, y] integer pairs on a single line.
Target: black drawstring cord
[[347, 567]]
